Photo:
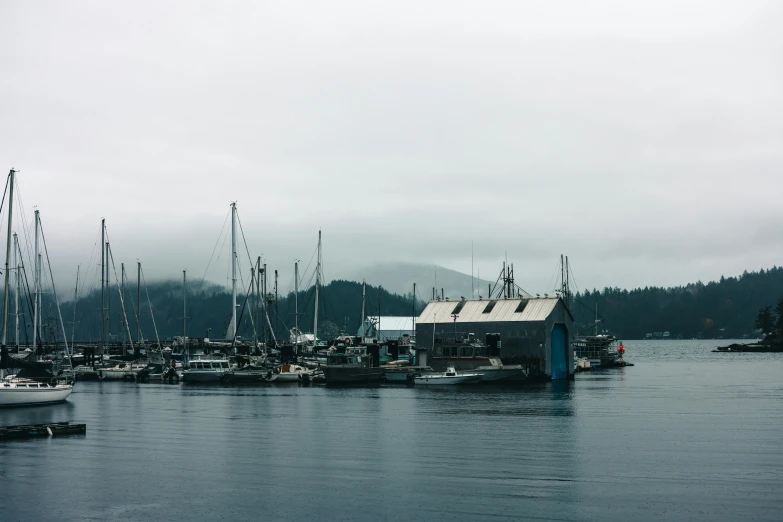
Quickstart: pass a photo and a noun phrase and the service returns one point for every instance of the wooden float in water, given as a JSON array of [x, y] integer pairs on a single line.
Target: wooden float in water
[[50, 429]]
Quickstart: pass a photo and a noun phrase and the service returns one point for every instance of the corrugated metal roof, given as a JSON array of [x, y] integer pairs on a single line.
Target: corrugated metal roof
[[537, 309]]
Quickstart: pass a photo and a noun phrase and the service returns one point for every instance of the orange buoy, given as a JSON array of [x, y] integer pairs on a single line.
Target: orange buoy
[[621, 349]]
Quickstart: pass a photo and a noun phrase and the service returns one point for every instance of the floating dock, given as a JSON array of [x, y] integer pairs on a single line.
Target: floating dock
[[51, 429]]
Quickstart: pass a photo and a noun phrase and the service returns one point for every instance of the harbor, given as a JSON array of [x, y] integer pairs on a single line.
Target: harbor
[[409, 452]]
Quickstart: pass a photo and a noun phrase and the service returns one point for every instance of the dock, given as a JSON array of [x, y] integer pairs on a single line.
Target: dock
[[51, 429]]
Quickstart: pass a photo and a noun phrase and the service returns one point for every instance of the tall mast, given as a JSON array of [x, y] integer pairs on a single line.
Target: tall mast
[[378, 333], [36, 283], [185, 315], [233, 270], [364, 309], [260, 299], [567, 286], [277, 306], [562, 277], [317, 285], [108, 296], [138, 301], [4, 348], [413, 311], [122, 290], [296, 297], [505, 281], [253, 304], [103, 286], [264, 305], [16, 293], [75, 296]]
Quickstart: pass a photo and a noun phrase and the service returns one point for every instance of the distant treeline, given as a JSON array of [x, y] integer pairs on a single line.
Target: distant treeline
[[209, 307], [728, 308], [722, 309]]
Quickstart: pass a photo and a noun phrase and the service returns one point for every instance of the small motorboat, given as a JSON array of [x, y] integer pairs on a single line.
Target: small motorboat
[[291, 373], [449, 377]]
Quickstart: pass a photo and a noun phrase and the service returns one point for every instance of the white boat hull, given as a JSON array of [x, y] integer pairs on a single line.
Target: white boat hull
[[288, 377], [116, 375], [442, 380], [33, 396]]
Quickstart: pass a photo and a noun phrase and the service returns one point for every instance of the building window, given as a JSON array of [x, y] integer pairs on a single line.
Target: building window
[[521, 306], [489, 307], [459, 307]]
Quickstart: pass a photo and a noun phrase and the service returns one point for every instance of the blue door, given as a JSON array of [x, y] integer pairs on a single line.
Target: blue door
[[559, 355]]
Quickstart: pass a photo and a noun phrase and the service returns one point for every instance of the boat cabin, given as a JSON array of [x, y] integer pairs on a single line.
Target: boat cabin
[[207, 366], [345, 359]]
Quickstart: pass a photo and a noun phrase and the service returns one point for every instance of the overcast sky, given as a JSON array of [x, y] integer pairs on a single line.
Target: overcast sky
[[643, 139]]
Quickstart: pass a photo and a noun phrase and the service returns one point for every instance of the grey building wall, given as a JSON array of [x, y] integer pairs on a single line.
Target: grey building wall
[[526, 343]]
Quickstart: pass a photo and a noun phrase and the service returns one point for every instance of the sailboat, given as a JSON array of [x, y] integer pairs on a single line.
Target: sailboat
[[19, 391]]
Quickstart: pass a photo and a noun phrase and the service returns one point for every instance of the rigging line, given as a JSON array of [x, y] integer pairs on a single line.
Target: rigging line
[[89, 263], [573, 278], [239, 321], [149, 302], [214, 250], [54, 293], [122, 301], [133, 305], [241, 230], [5, 192], [29, 299], [304, 272], [26, 228]]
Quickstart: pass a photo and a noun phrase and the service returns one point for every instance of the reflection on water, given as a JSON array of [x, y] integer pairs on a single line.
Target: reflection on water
[[684, 434]]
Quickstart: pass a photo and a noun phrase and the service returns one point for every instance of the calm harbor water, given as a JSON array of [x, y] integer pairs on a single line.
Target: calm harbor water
[[686, 434]]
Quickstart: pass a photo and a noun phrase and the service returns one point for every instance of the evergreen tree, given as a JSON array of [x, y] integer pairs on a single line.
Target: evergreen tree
[[765, 320], [779, 310]]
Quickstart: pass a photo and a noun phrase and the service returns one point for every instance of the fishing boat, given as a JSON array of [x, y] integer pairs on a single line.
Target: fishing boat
[[351, 369], [206, 370], [466, 353], [450, 377], [26, 392]]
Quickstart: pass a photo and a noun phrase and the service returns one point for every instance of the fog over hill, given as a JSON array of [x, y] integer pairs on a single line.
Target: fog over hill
[[399, 278]]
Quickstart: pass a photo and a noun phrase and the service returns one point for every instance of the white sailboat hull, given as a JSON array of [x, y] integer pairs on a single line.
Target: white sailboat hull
[[31, 396]]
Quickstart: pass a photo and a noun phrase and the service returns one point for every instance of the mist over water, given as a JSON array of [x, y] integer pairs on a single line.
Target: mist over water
[[686, 434]]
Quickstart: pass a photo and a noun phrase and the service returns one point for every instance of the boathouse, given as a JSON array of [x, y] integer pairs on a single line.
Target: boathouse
[[534, 332]]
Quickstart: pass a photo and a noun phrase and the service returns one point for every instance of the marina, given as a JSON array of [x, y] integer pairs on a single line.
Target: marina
[[536, 449]]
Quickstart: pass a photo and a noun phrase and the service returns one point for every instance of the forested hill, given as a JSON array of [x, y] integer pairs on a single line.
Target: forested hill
[[340, 305], [721, 309]]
